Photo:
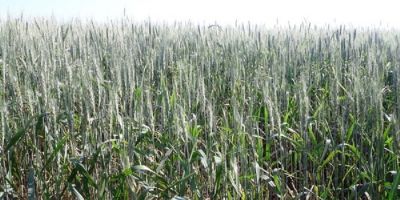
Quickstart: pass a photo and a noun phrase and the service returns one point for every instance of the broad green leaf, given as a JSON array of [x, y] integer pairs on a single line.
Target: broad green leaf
[[328, 159]]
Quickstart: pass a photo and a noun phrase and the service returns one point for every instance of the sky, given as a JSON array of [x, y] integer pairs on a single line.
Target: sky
[[384, 13]]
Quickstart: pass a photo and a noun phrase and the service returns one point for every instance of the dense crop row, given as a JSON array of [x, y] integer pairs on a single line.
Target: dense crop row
[[130, 111]]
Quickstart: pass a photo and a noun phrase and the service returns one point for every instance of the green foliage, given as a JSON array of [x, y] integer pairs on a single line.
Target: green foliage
[[149, 111]]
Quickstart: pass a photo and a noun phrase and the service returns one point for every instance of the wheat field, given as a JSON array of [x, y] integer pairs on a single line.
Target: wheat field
[[127, 110]]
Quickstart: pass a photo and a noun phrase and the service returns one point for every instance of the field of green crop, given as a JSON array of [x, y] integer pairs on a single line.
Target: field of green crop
[[125, 110]]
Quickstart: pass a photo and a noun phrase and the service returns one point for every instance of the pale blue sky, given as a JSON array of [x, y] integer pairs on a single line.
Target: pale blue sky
[[355, 12]]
